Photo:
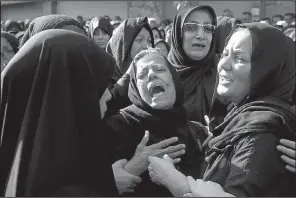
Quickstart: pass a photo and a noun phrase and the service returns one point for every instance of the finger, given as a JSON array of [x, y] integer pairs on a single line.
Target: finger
[[176, 154], [192, 185], [133, 185], [151, 160], [120, 163], [135, 179], [287, 151], [166, 157], [291, 169], [207, 120], [165, 143], [145, 139], [176, 160], [288, 143], [289, 161], [172, 149], [188, 195]]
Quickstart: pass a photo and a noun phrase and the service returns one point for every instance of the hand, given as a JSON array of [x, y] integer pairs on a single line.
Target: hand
[[159, 169], [125, 182], [288, 148], [200, 188], [139, 163], [163, 172]]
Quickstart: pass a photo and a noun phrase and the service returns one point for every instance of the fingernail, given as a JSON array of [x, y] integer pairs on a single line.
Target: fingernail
[[183, 151], [183, 145]]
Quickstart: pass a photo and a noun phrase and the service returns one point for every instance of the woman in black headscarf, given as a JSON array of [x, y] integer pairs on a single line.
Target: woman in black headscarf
[[156, 93], [100, 30], [129, 38], [193, 56], [257, 74], [53, 140], [55, 21], [12, 27], [9, 47]]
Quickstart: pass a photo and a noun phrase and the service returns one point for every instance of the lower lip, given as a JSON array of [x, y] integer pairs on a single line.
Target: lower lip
[[198, 47]]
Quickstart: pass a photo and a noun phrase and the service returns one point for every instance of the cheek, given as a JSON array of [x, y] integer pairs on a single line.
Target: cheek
[[134, 49], [142, 87], [209, 39], [187, 40]]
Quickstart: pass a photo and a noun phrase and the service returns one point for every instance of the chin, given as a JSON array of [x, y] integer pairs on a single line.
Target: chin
[[222, 91]]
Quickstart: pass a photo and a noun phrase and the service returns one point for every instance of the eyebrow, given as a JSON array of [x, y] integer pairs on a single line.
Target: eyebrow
[[198, 22]]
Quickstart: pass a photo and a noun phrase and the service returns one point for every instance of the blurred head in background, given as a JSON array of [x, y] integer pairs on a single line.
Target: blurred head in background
[[228, 13], [246, 17]]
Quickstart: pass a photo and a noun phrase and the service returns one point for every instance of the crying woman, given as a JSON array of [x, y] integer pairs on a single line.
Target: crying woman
[[157, 97]]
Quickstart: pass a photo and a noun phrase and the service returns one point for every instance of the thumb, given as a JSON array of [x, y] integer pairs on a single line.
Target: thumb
[[120, 163], [145, 139], [166, 157]]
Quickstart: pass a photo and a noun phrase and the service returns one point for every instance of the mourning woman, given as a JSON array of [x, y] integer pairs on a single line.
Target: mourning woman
[[156, 93], [259, 81], [193, 56]]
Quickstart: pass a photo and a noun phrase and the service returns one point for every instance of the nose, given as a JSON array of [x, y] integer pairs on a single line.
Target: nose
[[151, 74], [225, 63], [200, 33]]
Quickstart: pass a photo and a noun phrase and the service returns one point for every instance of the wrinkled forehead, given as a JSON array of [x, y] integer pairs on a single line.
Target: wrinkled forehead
[[240, 41], [150, 60]]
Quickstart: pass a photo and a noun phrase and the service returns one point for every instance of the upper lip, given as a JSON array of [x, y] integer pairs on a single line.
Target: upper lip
[[224, 76], [152, 85], [198, 44]]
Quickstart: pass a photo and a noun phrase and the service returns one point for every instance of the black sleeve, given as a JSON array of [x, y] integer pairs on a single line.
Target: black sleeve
[[121, 134], [256, 168], [119, 93]]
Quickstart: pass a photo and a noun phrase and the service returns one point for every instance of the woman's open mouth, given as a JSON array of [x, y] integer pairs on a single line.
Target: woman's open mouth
[[155, 90]]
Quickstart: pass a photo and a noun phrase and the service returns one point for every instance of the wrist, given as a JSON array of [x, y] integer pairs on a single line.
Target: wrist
[[136, 166]]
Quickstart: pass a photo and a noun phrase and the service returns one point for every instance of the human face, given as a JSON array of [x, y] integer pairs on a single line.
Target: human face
[[227, 13], [163, 48], [234, 67], [141, 42], [288, 19], [197, 43], [101, 38], [155, 82], [104, 99], [155, 34], [275, 19], [246, 18], [6, 52]]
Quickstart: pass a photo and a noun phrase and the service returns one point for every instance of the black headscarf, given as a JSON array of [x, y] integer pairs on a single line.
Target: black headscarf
[[198, 76], [162, 41], [19, 36], [55, 21], [52, 140], [11, 39], [121, 42], [99, 22], [12, 27], [224, 27], [159, 33]]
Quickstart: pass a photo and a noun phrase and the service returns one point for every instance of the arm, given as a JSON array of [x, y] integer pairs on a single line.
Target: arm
[[256, 168]]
